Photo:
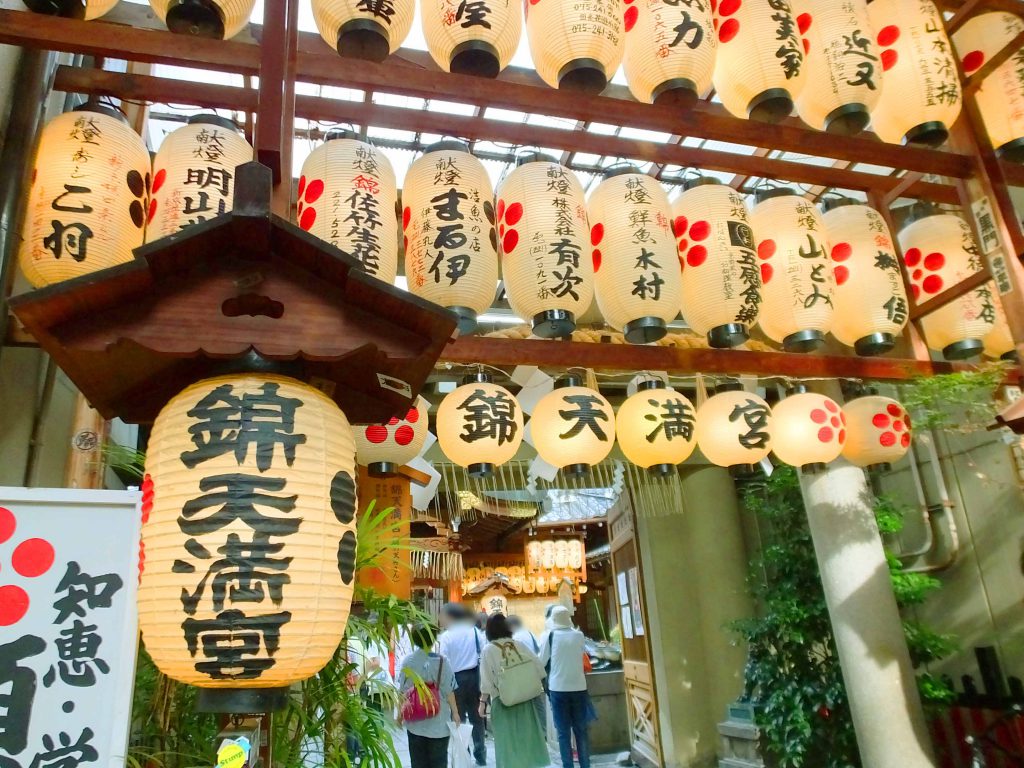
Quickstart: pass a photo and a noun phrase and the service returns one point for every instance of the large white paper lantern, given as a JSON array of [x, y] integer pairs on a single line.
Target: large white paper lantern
[[364, 29], [808, 430], [721, 281], [999, 341], [670, 51], [796, 275], [384, 448], [870, 299], [877, 432], [89, 197], [576, 46], [544, 238], [637, 278], [71, 9], [472, 38], [939, 252], [844, 72], [734, 429], [922, 96], [1000, 98], [656, 428], [215, 19], [194, 174], [760, 68], [480, 425], [451, 253], [248, 533], [573, 427], [347, 197]]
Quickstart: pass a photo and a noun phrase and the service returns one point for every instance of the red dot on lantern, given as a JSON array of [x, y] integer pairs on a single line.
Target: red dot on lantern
[[714, 23], [514, 214], [932, 284], [842, 436], [917, 274], [406, 216], [597, 259], [679, 226], [729, 29], [766, 273], [729, 7], [888, 35], [393, 420], [314, 190], [405, 242], [897, 426], [841, 251], [803, 22], [684, 244], [302, 185], [7, 524], [404, 434], [510, 241], [880, 420], [807, 44], [13, 604], [501, 230], [973, 61], [934, 261], [835, 422], [33, 557], [825, 434], [307, 219], [906, 420], [501, 209], [596, 234], [894, 410], [152, 210], [842, 274], [912, 256], [818, 416], [630, 17], [831, 406], [376, 433], [700, 230], [159, 179], [905, 439], [148, 492], [697, 256], [766, 249], [889, 59], [842, 418], [887, 439], [412, 416]]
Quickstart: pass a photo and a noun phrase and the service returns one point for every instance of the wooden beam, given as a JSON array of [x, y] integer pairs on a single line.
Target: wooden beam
[[962, 14], [973, 83], [470, 350], [119, 85], [966, 285]]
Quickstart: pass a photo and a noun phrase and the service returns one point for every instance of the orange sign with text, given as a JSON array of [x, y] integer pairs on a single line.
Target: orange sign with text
[[393, 574]]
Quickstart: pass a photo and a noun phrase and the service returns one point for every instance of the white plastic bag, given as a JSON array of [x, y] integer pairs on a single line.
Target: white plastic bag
[[459, 745]]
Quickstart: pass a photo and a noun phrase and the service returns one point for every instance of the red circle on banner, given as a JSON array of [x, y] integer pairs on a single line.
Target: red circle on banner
[[7, 524], [33, 557], [13, 604]]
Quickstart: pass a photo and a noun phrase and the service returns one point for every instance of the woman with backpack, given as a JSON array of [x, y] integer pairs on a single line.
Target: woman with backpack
[[427, 684], [510, 680]]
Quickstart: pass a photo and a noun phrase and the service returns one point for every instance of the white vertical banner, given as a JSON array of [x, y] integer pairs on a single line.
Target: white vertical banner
[[69, 571]]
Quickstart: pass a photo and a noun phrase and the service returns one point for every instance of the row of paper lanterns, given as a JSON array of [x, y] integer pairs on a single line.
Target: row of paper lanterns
[[481, 425], [799, 274], [842, 65]]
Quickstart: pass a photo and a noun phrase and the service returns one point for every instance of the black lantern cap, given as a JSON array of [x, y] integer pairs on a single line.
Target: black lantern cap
[[209, 118], [200, 18], [365, 39]]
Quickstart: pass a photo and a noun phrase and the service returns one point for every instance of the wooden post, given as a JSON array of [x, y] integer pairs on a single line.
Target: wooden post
[[85, 465]]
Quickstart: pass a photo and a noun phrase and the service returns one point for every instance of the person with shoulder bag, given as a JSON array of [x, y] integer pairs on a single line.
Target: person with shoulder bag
[[427, 684], [510, 681], [564, 656], [523, 635]]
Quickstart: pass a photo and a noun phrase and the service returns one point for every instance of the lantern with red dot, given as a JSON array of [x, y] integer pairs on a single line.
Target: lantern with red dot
[[808, 430], [734, 429], [721, 285], [578, 46], [922, 96], [544, 238], [357, 29], [797, 281], [844, 79], [878, 432], [939, 252], [1000, 98], [194, 174], [637, 278], [760, 68], [870, 299], [573, 427], [999, 341], [451, 255], [472, 39], [350, 181], [480, 425], [655, 428], [670, 52], [384, 448]]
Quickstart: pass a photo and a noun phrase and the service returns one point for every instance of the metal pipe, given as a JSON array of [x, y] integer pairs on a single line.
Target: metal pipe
[[926, 517], [40, 412], [930, 440], [34, 76]]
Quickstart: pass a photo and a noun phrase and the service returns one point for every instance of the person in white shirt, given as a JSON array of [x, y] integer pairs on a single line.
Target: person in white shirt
[[461, 643], [571, 707], [524, 636], [428, 738]]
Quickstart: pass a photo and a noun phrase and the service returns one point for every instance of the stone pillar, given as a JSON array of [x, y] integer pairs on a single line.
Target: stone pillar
[[887, 715]]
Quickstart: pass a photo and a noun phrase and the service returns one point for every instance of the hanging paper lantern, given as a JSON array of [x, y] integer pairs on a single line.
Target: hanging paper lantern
[[999, 341], [573, 427], [194, 174], [870, 298], [384, 448], [721, 281], [808, 430], [577, 46], [364, 29], [797, 281], [734, 429], [670, 51], [71, 9], [844, 73], [878, 432], [472, 38], [347, 195], [637, 277], [760, 68], [543, 233], [451, 253], [939, 252], [922, 96], [480, 426], [1000, 98], [248, 533], [214, 19], [655, 428], [90, 192]]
